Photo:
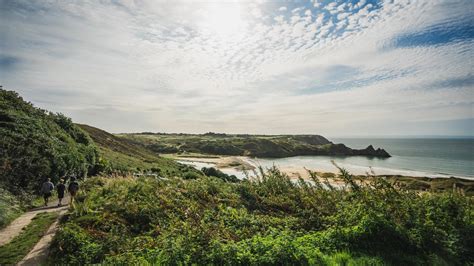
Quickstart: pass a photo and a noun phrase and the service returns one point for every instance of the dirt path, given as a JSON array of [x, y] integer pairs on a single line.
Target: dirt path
[[40, 251], [16, 227]]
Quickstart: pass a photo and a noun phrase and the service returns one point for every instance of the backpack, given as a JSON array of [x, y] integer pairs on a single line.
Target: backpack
[[74, 186]]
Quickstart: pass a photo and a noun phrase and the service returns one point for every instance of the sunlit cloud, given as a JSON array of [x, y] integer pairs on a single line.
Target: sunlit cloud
[[335, 68]]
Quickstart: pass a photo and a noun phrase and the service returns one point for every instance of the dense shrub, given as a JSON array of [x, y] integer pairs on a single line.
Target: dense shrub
[[36, 144], [211, 171], [268, 221], [76, 247]]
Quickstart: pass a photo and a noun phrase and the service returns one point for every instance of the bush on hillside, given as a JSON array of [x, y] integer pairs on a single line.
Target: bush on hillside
[[36, 144], [211, 171]]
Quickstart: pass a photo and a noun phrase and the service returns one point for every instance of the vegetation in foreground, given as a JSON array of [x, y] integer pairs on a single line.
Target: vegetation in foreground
[[19, 247], [247, 145], [268, 221]]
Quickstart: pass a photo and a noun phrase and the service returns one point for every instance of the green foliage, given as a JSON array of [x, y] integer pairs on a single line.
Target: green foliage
[[211, 171], [267, 221], [10, 207], [19, 247], [191, 175], [75, 247], [36, 144]]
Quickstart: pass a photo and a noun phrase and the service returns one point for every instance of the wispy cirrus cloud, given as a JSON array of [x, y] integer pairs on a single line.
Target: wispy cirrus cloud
[[298, 67]]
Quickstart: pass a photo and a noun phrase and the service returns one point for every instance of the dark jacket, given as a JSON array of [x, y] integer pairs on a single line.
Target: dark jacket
[[61, 188], [47, 187]]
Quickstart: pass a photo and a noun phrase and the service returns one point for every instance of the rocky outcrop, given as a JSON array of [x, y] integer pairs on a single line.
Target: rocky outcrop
[[343, 150], [370, 151]]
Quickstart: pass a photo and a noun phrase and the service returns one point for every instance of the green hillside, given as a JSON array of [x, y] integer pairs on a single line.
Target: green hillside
[[121, 155], [36, 144], [248, 145]]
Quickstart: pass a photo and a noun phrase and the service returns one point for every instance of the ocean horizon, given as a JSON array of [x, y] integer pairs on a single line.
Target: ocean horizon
[[431, 157]]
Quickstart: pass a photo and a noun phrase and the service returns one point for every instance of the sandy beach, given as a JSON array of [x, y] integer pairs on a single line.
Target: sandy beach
[[237, 164], [242, 167]]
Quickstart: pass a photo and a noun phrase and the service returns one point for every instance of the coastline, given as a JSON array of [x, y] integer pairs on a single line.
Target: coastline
[[236, 164], [233, 165]]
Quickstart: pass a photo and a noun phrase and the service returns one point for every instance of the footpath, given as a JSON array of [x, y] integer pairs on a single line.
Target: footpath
[[40, 250]]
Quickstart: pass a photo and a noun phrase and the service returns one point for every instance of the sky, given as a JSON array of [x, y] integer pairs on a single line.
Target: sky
[[335, 68]]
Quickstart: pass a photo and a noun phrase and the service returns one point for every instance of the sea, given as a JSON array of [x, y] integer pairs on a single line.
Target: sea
[[430, 157], [424, 157]]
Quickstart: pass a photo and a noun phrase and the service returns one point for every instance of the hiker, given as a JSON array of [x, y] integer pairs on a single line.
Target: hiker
[[46, 190], [73, 188], [60, 188]]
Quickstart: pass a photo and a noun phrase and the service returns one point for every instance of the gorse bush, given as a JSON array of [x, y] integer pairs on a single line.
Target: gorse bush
[[270, 220], [36, 144], [211, 171]]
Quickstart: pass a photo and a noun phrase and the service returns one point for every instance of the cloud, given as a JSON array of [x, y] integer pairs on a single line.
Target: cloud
[[317, 67]]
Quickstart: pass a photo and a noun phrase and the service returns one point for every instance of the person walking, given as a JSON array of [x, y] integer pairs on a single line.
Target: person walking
[[60, 188], [73, 188], [46, 190]]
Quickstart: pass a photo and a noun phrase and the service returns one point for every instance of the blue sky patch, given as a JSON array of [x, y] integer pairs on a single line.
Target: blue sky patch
[[438, 34], [8, 62], [459, 82]]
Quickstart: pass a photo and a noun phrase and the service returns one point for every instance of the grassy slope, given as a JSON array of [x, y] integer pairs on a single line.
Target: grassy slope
[[17, 249], [124, 155], [250, 145]]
